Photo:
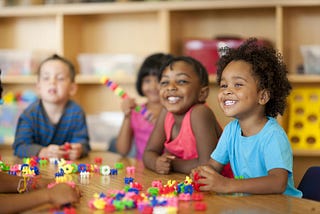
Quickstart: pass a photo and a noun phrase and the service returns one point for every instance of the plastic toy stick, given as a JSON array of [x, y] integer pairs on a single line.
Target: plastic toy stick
[[122, 94]]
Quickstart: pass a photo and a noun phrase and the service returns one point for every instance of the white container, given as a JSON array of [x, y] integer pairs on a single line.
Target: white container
[[103, 128], [18, 62], [311, 58], [113, 65]]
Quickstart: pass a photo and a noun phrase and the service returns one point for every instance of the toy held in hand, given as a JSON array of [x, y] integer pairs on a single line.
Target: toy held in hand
[[122, 94]]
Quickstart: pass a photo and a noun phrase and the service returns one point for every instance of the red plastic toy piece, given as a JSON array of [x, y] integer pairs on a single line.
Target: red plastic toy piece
[[98, 160], [200, 206], [197, 196]]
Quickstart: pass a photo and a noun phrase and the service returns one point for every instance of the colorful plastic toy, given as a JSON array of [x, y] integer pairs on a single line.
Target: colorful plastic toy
[[122, 94]]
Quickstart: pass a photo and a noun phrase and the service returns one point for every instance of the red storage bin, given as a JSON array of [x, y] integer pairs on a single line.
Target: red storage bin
[[207, 50]]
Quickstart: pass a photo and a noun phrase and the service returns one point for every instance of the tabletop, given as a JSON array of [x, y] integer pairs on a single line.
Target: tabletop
[[216, 203]]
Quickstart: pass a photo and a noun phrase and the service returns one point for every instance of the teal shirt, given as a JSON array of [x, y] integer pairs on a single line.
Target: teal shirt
[[254, 156]]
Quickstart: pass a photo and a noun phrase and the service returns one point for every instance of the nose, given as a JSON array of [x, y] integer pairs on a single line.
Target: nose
[[52, 81], [171, 87], [227, 91]]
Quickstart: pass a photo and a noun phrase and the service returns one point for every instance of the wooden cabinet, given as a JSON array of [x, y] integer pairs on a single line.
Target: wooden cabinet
[[142, 28]]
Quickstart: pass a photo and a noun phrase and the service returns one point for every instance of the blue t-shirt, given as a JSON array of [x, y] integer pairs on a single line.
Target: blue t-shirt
[[34, 129], [254, 156]]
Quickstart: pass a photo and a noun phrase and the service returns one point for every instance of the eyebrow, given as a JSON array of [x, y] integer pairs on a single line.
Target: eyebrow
[[237, 78], [179, 74], [183, 74]]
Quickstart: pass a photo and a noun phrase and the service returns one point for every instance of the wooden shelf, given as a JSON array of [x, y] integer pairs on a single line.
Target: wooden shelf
[[304, 78], [19, 79], [80, 79], [301, 152], [138, 7], [91, 79]]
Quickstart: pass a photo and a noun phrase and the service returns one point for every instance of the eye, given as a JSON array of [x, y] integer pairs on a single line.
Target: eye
[[163, 83], [237, 85], [45, 78], [223, 86], [182, 82], [146, 80], [61, 78]]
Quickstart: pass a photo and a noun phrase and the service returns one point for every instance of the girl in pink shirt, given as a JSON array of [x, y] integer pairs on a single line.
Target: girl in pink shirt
[[136, 128], [186, 131]]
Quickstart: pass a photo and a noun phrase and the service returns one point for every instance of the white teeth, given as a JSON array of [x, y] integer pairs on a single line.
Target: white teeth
[[173, 99], [229, 102]]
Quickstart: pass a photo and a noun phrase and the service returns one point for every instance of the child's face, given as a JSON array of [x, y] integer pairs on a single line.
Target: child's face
[[238, 95], [54, 83], [150, 88], [180, 88]]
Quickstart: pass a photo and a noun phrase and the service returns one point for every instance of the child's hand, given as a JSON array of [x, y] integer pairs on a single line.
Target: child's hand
[[52, 151], [75, 151], [210, 180], [197, 169], [127, 105], [62, 194], [194, 172], [39, 183], [163, 163]]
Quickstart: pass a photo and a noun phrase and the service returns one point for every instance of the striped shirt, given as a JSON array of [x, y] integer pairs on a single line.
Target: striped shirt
[[35, 131]]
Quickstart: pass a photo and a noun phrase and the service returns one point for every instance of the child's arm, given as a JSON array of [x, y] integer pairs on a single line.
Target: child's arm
[[58, 195], [80, 146], [207, 132], [9, 183], [23, 144], [124, 139], [274, 183], [153, 157]]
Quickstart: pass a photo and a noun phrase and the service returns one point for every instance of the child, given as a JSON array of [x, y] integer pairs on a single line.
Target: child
[[13, 203], [186, 131], [136, 126], [53, 126], [58, 195], [253, 90]]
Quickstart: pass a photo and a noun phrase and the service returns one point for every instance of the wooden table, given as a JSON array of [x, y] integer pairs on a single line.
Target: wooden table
[[215, 203]]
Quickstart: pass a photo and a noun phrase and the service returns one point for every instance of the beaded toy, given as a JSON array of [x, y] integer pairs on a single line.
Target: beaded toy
[[122, 94]]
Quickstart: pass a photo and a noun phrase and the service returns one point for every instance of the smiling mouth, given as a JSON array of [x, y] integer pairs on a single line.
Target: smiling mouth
[[229, 102], [173, 100]]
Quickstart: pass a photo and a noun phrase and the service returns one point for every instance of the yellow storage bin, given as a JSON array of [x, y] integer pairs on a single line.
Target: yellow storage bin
[[304, 118]]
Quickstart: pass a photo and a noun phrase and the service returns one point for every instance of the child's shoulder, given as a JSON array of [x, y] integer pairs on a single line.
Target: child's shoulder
[[33, 106], [200, 108], [201, 112], [73, 106]]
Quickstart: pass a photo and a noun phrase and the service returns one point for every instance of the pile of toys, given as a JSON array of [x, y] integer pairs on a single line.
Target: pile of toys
[[158, 198]]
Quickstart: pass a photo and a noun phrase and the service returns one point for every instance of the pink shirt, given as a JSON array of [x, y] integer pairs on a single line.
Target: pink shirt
[[142, 129], [184, 146]]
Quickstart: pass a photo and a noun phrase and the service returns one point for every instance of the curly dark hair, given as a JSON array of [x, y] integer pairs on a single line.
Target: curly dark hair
[[267, 66], [150, 66], [197, 67]]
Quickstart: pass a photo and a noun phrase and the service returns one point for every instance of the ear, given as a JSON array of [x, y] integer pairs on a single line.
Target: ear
[[73, 89], [204, 93], [264, 96]]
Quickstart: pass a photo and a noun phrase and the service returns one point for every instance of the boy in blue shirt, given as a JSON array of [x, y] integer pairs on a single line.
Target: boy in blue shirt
[[253, 90], [54, 125]]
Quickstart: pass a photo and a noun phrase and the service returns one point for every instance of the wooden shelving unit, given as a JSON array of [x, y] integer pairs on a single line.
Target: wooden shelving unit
[[142, 28]]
